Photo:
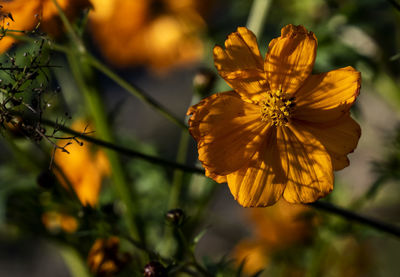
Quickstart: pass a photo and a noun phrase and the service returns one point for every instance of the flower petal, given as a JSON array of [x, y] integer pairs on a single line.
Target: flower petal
[[261, 182], [23, 14], [327, 96], [339, 138], [217, 178], [241, 64], [307, 164], [228, 131], [290, 58]]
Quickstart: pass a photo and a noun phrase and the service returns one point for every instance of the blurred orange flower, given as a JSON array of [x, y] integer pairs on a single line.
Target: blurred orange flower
[[155, 32], [55, 221], [27, 14], [275, 229], [83, 168], [282, 131], [104, 258]]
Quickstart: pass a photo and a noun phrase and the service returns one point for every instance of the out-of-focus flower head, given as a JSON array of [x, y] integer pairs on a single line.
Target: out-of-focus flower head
[[55, 221], [104, 258], [283, 130], [83, 168], [348, 256], [26, 15], [274, 229], [158, 33]]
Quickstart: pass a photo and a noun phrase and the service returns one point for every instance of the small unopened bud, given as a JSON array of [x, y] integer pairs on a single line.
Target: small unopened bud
[[175, 216], [154, 269], [14, 125], [105, 258], [46, 179], [203, 82]]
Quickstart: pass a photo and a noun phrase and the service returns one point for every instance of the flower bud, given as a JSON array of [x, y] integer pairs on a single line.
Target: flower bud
[[104, 258], [46, 179], [203, 82], [154, 269], [175, 217]]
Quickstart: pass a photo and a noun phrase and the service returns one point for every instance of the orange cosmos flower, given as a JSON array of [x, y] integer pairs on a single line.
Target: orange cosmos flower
[[105, 258], [27, 14], [275, 229], [159, 33], [55, 221], [283, 130], [83, 168]]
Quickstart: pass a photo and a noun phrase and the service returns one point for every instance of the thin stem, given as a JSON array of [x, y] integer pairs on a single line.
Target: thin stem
[[178, 173], [328, 207], [50, 44], [136, 92], [125, 151], [188, 250], [258, 15], [73, 260], [82, 74], [349, 215], [70, 30], [180, 158]]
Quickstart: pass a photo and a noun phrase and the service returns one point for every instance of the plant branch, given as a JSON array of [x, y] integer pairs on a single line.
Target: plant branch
[[349, 215], [141, 95], [70, 30], [258, 15], [325, 206], [125, 151]]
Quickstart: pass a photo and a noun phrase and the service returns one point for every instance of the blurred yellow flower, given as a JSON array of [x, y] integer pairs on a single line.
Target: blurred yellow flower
[[274, 229], [27, 14], [283, 130], [83, 168], [158, 33], [104, 258], [55, 221]]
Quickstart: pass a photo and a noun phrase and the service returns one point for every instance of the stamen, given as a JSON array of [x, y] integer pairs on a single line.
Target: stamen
[[276, 107]]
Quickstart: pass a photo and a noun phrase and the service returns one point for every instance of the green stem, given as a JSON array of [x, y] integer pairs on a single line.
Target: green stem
[[351, 216], [73, 260], [82, 74], [258, 15], [136, 92], [70, 30], [49, 44], [178, 174], [188, 249], [328, 207], [123, 150]]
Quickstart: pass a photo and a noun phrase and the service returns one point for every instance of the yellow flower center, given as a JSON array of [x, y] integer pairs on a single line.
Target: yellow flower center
[[276, 107]]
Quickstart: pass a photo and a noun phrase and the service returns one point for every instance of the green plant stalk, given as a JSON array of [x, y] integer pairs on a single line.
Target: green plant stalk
[[136, 92], [258, 15], [70, 30], [177, 180], [76, 265], [51, 45], [82, 74], [349, 215]]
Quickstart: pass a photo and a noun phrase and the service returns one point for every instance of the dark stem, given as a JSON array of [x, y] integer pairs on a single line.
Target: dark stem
[[376, 224], [124, 150], [325, 206]]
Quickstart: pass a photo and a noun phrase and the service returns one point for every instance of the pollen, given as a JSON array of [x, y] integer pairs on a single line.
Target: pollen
[[276, 107]]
